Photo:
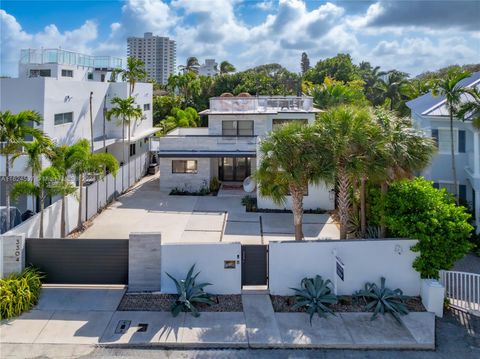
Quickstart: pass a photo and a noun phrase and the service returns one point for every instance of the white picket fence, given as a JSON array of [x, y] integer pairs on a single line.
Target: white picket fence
[[462, 289]]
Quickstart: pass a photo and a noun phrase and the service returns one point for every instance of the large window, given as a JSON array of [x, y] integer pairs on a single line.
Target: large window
[[277, 122], [184, 166], [40, 73], [67, 73], [237, 128], [63, 118]]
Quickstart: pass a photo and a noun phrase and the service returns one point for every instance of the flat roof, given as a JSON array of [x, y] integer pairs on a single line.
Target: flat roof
[[205, 154]]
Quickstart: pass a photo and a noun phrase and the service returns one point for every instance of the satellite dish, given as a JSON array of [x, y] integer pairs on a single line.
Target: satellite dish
[[249, 184]]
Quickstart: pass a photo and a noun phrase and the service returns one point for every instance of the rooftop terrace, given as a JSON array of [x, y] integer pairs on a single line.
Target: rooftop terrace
[[260, 104]]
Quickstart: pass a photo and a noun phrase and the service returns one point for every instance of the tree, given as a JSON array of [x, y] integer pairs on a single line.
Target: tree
[[94, 164], [125, 111], [191, 65], [449, 88], [162, 107], [414, 209], [471, 108], [292, 157], [13, 132], [226, 68], [389, 87], [349, 131], [134, 72], [34, 151], [181, 118], [333, 93], [46, 186], [305, 63], [340, 68], [187, 85]]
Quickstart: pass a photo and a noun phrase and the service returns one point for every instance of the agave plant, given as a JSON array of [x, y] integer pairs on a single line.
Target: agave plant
[[189, 293], [315, 294], [383, 300]]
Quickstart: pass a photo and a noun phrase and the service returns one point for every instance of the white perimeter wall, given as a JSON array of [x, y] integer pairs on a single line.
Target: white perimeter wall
[[208, 259], [365, 261]]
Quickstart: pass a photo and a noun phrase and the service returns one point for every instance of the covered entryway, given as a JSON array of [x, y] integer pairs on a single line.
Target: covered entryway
[[254, 265], [234, 168]]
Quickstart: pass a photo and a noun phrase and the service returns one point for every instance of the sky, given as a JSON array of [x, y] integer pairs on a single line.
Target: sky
[[408, 35]]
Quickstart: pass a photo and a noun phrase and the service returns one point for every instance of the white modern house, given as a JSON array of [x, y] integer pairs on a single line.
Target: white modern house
[[64, 87], [431, 114], [227, 149], [209, 68]]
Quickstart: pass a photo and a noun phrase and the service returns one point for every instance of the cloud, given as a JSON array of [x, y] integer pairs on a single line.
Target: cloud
[[265, 5]]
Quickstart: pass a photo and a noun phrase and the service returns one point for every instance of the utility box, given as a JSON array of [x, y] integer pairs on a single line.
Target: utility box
[[433, 295]]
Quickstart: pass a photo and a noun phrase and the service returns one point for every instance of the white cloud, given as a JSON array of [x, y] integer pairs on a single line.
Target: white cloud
[[264, 5]]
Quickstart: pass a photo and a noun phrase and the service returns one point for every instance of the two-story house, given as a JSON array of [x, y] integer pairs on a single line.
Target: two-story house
[[227, 149], [430, 113], [65, 87]]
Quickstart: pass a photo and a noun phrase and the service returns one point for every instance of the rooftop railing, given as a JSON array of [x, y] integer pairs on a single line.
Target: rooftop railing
[[261, 104], [64, 57]]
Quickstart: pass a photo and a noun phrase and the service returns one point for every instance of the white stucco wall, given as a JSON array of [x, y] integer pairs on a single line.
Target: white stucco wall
[[209, 260], [188, 181], [365, 261]]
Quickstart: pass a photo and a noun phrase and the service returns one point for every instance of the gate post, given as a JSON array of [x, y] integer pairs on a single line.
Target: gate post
[[12, 254], [144, 262]]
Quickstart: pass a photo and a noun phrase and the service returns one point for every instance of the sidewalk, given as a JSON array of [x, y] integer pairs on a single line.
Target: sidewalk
[[88, 316]]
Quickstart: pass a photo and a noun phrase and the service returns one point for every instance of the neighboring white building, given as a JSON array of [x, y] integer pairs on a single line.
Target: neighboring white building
[[431, 114], [209, 68], [158, 53], [227, 149], [58, 85]]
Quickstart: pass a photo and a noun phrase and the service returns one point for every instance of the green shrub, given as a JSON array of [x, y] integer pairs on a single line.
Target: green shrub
[[250, 203], [214, 184], [19, 292], [415, 209], [314, 294], [189, 293], [383, 300]]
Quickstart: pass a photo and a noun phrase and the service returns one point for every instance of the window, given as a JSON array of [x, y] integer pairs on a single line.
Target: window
[[237, 128], [40, 73], [133, 149], [63, 118], [184, 166], [277, 122], [67, 73], [443, 140], [90, 76], [146, 107], [462, 189], [102, 77]]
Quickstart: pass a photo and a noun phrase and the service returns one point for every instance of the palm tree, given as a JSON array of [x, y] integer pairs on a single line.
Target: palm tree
[[292, 157], [46, 186], [13, 131], [188, 85], [94, 164], [471, 108], [125, 111], [192, 65], [226, 67], [134, 72], [449, 88], [349, 131], [389, 86], [34, 151]]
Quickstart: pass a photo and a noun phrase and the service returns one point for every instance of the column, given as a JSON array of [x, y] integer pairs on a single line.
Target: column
[[144, 262], [12, 254], [477, 209], [476, 153]]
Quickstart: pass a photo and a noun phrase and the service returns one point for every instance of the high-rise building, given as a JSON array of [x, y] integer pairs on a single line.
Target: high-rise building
[[209, 68], [158, 53]]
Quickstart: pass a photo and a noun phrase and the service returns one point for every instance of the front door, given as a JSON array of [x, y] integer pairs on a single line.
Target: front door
[[234, 169], [254, 264]]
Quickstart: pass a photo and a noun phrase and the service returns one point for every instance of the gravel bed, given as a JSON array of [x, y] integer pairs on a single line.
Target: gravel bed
[[345, 304], [163, 303]]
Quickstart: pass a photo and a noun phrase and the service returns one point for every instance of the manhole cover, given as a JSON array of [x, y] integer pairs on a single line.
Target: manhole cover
[[122, 326], [142, 327]]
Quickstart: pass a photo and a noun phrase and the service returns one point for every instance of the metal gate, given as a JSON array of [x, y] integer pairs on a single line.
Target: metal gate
[[79, 261], [462, 289], [254, 264]]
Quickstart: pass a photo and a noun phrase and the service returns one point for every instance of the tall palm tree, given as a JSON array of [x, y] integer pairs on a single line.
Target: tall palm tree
[[349, 131], [34, 151], [13, 132], [134, 72], [292, 157], [188, 85], [471, 108], [191, 65], [389, 86], [47, 186], [449, 88], [86, 163], [226, 67], [125, 111]]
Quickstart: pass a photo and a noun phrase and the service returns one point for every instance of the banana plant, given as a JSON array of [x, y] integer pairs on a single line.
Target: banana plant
[[189, 294]]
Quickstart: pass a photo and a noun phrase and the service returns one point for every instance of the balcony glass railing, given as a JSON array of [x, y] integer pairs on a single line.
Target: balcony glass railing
[[261, 104], [64, 57], [203, 143]]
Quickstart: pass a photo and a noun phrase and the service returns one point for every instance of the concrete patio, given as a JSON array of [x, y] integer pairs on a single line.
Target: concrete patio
[[199, 219]]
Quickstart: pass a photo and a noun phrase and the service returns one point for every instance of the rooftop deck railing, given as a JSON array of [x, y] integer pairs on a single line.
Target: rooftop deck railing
[[261, 104], [64, 57], [203, 143]]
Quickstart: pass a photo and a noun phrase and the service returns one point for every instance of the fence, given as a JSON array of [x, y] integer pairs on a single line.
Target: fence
[[462, 289], [95, 196]]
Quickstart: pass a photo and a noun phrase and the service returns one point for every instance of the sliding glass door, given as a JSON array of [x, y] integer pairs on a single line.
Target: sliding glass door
[[234, 169]]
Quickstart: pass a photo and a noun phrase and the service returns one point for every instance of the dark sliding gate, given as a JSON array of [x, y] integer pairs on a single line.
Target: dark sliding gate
[[79, 261], [254, 264]]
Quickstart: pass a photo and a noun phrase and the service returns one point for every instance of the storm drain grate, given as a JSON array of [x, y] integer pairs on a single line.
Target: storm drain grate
[[122, 326], [142, 327]]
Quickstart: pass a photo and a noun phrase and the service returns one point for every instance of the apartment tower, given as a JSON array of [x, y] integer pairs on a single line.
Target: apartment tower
[[158, 53]]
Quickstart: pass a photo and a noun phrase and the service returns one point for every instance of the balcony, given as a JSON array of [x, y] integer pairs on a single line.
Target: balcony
[[261, 104]]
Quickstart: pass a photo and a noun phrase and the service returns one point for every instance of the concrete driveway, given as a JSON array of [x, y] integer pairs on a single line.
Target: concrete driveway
[[199, 219]]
